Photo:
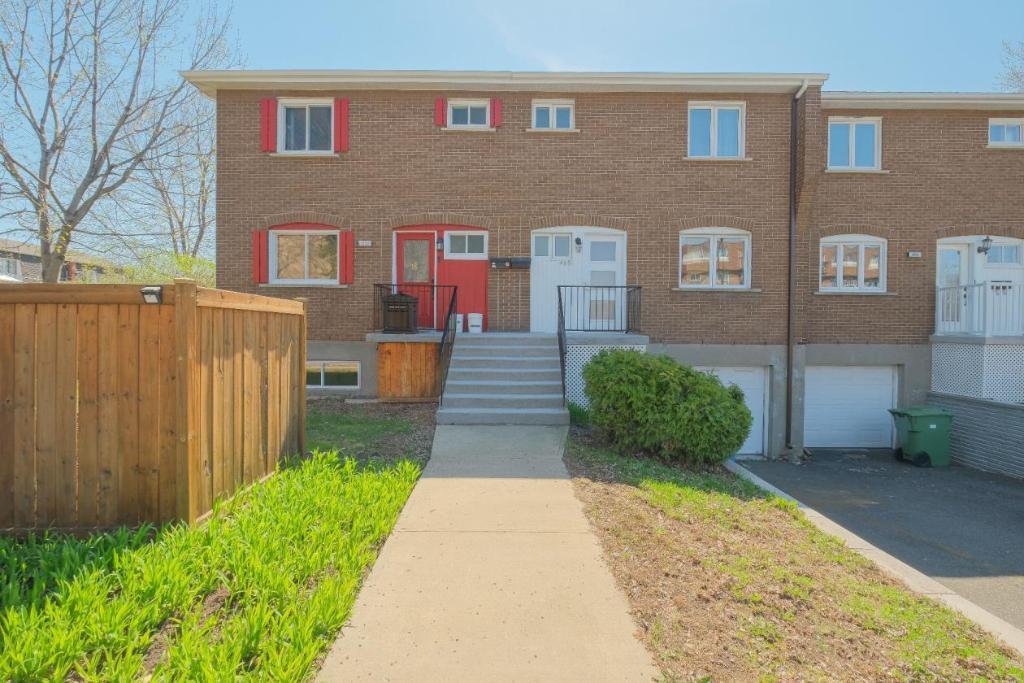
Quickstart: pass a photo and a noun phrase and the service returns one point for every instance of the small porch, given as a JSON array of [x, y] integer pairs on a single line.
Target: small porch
[[981, 309]]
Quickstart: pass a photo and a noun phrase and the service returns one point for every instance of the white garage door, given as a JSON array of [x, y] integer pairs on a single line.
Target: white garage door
[[754, 383], [849, 406]]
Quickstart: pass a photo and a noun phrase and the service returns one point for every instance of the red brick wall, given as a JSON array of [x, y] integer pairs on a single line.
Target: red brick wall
[[625, 169], [940, 181]]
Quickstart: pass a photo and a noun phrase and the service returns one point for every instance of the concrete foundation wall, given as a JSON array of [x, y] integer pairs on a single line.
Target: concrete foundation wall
[[987, 435], [364, 352]]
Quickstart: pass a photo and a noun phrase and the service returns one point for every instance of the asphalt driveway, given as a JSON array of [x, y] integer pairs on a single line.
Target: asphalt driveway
[[963, 528]]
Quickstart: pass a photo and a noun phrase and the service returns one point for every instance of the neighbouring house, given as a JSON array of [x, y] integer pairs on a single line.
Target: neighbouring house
[[834, 254], [20, 262]]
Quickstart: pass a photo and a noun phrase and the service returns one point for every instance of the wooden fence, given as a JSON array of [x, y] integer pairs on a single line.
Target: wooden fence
[[114, 411]]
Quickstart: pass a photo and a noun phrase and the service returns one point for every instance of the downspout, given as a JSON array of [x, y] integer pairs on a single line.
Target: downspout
[[791, 265]]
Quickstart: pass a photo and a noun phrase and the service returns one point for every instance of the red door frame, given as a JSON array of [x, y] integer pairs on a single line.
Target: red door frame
[[442, 271], [426, 316]]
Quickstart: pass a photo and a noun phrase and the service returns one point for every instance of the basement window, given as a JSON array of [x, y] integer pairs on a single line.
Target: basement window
[[331, 374]]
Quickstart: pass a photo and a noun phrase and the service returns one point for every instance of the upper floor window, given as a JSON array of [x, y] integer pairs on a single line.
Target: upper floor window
[[852, 263], [716, 130], [305, 126], [854, 144], [304, 256], [465, 245], [714, 257], [554, 115], [1006, 132], [469, 113]]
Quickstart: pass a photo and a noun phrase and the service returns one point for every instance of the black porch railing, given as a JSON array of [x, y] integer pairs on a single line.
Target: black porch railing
[[444, 350], [588, 308], [410, 308]]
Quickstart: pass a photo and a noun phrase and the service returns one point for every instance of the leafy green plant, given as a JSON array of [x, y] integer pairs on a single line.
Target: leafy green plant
[[656, 405], [258, 591], [163, 267], [579, 415]]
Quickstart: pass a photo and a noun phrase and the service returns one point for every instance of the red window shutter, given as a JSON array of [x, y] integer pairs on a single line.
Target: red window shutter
[[268, 125], [341, 124], [346, 273], [440, 112], [495, 112], [260, 257]]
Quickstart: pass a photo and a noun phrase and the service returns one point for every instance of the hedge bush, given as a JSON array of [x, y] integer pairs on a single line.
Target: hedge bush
[[656, 405]]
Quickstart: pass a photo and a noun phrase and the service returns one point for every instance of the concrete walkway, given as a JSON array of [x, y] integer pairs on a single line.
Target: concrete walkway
[[492, 574]]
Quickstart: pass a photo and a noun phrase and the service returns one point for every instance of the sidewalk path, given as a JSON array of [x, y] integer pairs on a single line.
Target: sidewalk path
[[492, 574]]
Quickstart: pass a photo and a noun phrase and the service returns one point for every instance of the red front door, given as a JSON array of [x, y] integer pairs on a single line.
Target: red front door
[[415, 266]]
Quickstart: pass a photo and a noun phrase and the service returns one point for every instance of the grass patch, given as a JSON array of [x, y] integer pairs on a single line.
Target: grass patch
[[350, 431], [732, 583], [257, 592]]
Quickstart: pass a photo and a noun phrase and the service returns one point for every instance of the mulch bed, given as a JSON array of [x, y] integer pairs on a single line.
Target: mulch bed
[[700, 623]]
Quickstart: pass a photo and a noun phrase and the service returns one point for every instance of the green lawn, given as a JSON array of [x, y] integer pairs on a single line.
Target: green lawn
[[257, 592], [350, 431], [732, 583]]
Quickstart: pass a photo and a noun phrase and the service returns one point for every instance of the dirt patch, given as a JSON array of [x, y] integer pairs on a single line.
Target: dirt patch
[[732, 587], [373, 431]]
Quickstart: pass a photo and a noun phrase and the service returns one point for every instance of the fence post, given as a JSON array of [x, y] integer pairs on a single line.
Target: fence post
[[302, 378], [187, 410]]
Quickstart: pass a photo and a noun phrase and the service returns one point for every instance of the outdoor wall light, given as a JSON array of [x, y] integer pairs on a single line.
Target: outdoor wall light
[[579, 244], [439, 244], [152, 294], [986, 244]]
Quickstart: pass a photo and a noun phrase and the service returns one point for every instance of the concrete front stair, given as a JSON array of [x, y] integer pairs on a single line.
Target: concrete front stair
[[504, 379]]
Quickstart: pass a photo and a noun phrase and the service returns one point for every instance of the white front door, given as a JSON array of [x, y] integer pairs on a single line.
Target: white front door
[[952, 274], [577, 256], [849, 406]]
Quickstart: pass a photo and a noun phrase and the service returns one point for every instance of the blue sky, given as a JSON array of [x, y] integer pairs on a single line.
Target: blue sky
[[863, 44]]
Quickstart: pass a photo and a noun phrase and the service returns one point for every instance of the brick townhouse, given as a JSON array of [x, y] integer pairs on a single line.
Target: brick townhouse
[[833, 253]]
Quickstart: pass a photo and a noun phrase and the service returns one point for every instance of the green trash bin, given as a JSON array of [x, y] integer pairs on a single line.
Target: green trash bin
[[924, 434]]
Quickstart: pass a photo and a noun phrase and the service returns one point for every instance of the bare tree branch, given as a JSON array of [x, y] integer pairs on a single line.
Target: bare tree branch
[[1013, 64], [88, 102]]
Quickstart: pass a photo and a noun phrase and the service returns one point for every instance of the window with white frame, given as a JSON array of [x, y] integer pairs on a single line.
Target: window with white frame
[[465, 245], [715, 258], [329, 374], [552, 245], [304, 257], [554, 115], [852, 263], [1006, 132], [1003, 255], [469, 113], [10, 266], [854, 143], [305, 126], [716, 130]]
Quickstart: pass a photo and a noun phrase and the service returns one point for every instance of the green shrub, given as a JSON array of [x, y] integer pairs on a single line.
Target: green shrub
[[654, 404], [579, 415]]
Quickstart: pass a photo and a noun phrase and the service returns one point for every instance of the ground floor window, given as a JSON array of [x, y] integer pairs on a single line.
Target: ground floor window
[[329, 374]]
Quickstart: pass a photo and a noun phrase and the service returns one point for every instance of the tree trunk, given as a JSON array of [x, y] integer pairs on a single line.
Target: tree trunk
[[52, 265]]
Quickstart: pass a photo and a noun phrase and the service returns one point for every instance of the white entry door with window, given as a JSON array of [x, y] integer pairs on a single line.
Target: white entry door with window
[[578, 256], [951, 276]]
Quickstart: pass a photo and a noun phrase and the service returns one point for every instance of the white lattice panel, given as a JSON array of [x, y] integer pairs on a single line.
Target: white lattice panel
[[1004, 373], [576, 356], [989, 371]]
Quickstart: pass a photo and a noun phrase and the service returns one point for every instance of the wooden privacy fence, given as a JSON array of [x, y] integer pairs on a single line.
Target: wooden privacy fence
[[115, 411]]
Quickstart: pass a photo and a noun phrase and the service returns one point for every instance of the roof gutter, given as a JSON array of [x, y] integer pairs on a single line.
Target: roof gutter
[[210, 82], [791, 263]]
